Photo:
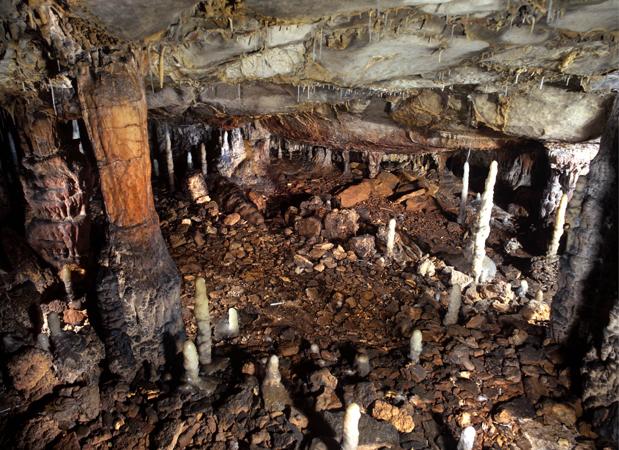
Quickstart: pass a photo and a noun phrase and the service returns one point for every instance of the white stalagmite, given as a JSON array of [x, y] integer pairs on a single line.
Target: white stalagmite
[[362, 363], [416, 346], [53, 323], [65, 276], [233, 322], [189, 161], [169, 159], [557, 230], [191, 363], [203, 163], [453, 310], [350, 439], [467, 439], [391, 237], [272, 376], [203, 320], [464, 194], [482, 228]]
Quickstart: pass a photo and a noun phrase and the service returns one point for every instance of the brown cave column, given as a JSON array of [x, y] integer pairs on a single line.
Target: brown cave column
[[55, 183], [138, 286]]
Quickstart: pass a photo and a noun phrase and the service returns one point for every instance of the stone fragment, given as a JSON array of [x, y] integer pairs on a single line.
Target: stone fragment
[[327, 400], [73, 316], [302, 262], [308, 227], [400, 419], [196, 185], [384, 184], [232, 219], [554, 412], [322, 378], [355, 194], [341, 224], [364, 246], [514, 410]]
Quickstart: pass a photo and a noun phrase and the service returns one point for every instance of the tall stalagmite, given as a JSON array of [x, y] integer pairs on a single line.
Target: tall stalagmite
[[138, 283]]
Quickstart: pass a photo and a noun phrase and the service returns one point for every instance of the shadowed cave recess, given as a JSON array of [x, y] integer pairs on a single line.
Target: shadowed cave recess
[[262, 224]]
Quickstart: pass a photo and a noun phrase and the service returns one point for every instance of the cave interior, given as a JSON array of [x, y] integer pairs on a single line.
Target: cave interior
[[263, 224]]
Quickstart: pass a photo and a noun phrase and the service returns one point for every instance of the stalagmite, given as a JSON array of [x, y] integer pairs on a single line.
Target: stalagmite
[[350, 438], [467, 439], [203, 162], [455, 300], [65, 277], [274, 393], [169, 160], [233, 322], [138, 285], [482, 226], [391, 237], [189, 161], [228, 327], [362, 363], [203, 321], [191, 363], [416, 346], [464, 194], [557, 230]]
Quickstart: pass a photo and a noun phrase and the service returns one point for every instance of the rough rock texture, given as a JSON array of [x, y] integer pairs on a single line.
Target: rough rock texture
[[56, 188], [589, 239], [341, 224], [600, 304], [32, 373], [138, 283]]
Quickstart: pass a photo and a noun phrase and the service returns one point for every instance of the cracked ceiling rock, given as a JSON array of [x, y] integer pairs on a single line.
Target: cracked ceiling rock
[[268, 63], [548, 114]]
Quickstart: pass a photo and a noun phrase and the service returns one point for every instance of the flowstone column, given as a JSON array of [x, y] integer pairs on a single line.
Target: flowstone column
[[55, 183], [138, 285]]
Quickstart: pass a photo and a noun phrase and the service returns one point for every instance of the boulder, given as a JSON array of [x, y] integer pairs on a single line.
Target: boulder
[[341, 224], [355, 194]]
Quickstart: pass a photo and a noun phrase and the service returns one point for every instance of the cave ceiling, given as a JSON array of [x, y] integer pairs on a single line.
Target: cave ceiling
[[430, 71]]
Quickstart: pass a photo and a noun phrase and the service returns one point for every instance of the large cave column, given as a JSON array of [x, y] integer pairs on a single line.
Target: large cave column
[[138, 287], [55, 184]]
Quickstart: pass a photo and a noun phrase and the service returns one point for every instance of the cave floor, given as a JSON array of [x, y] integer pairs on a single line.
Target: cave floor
[[494, 370]]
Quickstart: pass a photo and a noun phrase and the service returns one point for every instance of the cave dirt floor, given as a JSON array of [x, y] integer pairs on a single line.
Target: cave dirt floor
[[318, 301], [315, 285]]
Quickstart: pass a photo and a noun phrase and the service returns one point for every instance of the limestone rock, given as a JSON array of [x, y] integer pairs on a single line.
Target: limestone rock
[[400, 419], [384, 184], [341, 224], [364, 246], [32, 373], [355, 194], [308, 227]]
